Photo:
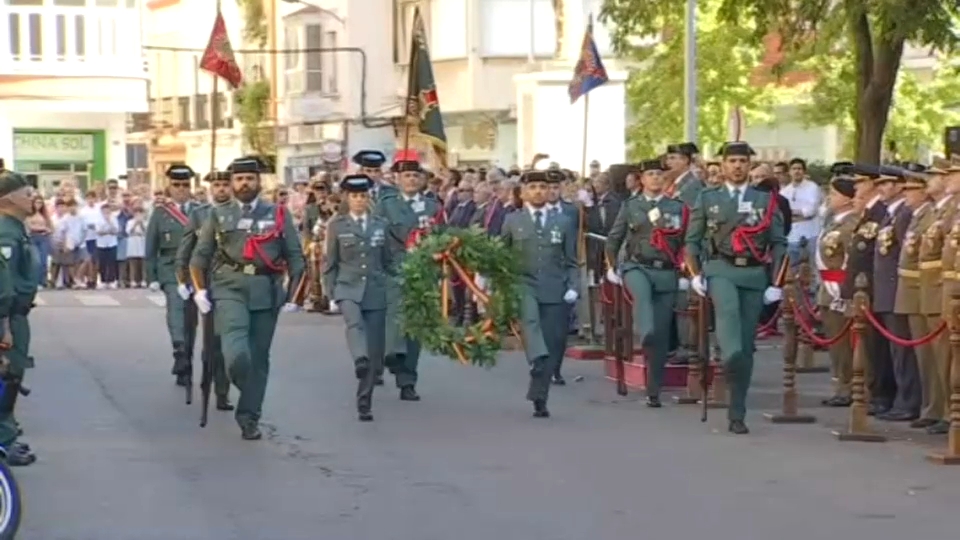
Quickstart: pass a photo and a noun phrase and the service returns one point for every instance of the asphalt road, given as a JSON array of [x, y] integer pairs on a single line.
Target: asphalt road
[[122, 457]]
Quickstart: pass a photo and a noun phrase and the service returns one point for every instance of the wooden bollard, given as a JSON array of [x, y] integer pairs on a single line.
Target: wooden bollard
[[806, 360], [858, 428], [952, 454], [693, 392], [789, 408]]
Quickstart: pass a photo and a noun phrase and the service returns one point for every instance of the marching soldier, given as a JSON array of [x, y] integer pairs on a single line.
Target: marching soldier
[[220, 195], [860, 261], [930, 259], [356, 276], [744, 230], [370, 163], [246, 247], [165, 229], [886, 289], [404, 213], [652, 226], [833, 248], [557, 206], [18, 289], [550, 282], [908, 295], [688, 186]]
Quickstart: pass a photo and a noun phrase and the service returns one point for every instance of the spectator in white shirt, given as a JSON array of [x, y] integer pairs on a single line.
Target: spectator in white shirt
[[91, 216], [136, 246], [107, 232], [805, 199], [68, 238]]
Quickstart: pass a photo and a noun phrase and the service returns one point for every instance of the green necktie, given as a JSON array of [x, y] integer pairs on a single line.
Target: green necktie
[[538, 220], [736, 194]]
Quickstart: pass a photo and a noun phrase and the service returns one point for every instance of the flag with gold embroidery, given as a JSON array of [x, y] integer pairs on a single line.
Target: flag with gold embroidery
[[423, 104], [218, 58]]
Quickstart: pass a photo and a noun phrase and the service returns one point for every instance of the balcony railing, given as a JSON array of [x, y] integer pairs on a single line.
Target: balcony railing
[[71, 41]]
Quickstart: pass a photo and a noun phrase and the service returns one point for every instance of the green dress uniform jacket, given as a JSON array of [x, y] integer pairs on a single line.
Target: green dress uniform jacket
[[355, 273], [651, 231], [548, 254], [687, 188], [736, 279], [17, 293], [248, 292], [165, 230], [198, 215], [403, 215]]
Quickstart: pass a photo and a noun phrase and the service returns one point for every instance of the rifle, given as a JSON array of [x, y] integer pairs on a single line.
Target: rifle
[[623, 336], [206, 357], [190, 314], [703, 351]]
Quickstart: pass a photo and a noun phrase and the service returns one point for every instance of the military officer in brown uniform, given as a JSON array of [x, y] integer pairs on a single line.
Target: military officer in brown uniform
[[932, 289], [831, 258], [908, 294], [860, 261], [951, 263]]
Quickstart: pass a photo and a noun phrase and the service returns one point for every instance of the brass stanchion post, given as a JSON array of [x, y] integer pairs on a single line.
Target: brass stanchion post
[[952, 454], [806, 362], [789, 413], [858, 428]]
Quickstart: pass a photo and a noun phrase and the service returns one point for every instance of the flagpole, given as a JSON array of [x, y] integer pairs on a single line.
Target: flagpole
[[411, 76], [214, 114]]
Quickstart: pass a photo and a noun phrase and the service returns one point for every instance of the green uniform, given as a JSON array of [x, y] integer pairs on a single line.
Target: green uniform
[[736, 280], [688, 187], [17, 294], [248, 293], [355, 274], [198, 215], [165, 231], [549, 256], [649, 273], [402, 215]]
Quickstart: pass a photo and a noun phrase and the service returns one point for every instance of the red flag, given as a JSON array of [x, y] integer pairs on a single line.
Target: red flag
[[218, 58]]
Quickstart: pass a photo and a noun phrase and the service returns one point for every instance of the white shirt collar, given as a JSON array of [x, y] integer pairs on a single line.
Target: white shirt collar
[[533, 211], [411, 198], [873, 201], [892, 207], [356, 217], [841, 215], [742, 187], [653, 199], [253, 204], [943, 201]]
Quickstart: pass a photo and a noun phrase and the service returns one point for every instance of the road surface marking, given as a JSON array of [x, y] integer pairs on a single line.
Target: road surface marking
[[158, 299], [39, 301], [96, 300]]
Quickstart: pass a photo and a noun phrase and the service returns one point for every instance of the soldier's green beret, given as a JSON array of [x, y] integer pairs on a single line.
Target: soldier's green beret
[[10, 182], [180, 172]]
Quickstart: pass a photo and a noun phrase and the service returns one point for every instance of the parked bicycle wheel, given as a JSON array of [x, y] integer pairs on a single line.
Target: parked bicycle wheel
[[10, 503]]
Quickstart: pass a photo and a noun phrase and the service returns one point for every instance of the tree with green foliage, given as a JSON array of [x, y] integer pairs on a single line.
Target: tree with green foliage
[[254, 97], [655, 91], [923, 105], [873, 33]]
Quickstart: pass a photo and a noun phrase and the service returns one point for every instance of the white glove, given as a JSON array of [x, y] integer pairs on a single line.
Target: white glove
[[290, 307], [612, 277], [683, 284], [202, 302], [698, 285], [183, 290], [480, 282], [154, 286], [571, 296], [775, 294], [334, 308], [833, 289], [584, 197]]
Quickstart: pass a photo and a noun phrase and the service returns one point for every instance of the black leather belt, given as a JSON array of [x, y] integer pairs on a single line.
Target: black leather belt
[[742, 261], [251, 269], [655, 263]]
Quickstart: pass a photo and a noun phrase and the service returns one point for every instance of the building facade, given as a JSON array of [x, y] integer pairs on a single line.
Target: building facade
[[346, 92], [70, 72]]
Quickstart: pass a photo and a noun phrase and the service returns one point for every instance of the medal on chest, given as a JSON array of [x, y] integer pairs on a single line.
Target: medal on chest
[[831, 243], [885, 240]]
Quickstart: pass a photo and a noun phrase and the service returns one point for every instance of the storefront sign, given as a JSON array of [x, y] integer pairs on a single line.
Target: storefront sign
[[53, 147]]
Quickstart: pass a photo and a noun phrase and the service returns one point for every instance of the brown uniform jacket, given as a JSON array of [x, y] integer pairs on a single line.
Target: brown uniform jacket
[[931, 256], [951, 246], [908, 270], [832, 251]]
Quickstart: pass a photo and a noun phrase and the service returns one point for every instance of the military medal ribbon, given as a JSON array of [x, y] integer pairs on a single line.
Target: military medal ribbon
[[176, 214], [254, 244], [659, 236], [742, 236]]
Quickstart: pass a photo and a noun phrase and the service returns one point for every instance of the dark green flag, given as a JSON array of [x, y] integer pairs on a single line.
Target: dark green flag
[[423, 104]]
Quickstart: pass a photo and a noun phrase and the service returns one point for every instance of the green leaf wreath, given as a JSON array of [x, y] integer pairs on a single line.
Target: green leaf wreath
[[421, 274]]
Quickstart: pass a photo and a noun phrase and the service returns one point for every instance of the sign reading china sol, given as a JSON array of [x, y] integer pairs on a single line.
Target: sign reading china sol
[[53, 147]]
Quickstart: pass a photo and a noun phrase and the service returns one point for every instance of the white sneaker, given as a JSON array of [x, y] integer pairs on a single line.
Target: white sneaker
[[143, 284]]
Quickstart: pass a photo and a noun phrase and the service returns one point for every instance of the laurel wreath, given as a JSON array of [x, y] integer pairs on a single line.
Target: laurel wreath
[[458, 255]]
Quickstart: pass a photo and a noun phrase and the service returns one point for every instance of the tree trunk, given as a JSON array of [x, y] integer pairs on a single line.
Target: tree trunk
[[873, 107]]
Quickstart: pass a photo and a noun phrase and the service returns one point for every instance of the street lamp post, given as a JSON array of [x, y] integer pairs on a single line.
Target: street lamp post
[[690, 120]]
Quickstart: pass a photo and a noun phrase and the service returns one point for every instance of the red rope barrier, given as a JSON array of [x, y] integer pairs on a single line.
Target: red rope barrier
[[811, 310], [772, 323], [811, 333], [901, 341]]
